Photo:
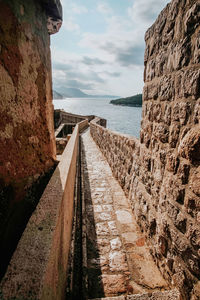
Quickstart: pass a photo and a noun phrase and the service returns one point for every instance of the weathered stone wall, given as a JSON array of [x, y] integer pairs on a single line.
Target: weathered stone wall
[[162, 173], [120, 150], [38, 268], [27, 142], [171, 135], [61, 116]]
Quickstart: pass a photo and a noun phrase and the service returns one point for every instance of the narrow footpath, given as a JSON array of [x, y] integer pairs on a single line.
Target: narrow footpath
[[117, 258]]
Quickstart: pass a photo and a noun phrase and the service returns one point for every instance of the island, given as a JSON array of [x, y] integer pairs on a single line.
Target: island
[[129, 101]]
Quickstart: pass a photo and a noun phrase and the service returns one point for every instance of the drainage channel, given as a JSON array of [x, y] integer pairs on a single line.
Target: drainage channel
[[75, 283]]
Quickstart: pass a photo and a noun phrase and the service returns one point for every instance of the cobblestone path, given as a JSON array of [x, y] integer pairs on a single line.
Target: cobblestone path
[[118, 261]]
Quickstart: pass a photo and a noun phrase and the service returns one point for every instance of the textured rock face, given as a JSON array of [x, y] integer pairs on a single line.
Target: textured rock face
[[27, 145], [161, 173]]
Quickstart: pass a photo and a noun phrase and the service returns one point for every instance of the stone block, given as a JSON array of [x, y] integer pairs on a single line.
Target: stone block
[[192, 262], [196, 116], [175, 113], [163, 245], [195, 182], [192, 18], [172, 162], [167, 114], [168, 33], [161, 131], [117, 261], [192, 204], [196, 50], [166, 90], [161, 62], [178, 279], [180, 196], [187, 84], [148, 111], [174, 135], [179, 54], [157, 113], [193, 234], [183, 172], [113, 284], [181, 222], [149, 72], [179, 243], [189, 147]]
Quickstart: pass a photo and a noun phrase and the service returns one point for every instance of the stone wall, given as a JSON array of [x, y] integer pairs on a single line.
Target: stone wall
[[121, 151], [38, 268], [27, 142], [161, 174], [61, 116]]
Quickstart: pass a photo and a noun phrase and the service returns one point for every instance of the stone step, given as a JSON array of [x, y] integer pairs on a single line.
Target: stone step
[[161, 295]]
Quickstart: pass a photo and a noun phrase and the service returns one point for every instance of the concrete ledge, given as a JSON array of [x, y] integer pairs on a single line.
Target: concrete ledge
[[38, 267]]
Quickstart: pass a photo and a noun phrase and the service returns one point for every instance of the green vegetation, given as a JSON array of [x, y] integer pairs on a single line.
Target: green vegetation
[[129, 101]]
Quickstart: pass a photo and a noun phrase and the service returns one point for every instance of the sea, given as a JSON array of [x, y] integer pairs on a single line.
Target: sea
[[123, 119]]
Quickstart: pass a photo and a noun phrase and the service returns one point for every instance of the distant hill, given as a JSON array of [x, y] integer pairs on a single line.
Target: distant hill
[[57, 95], [129, 101], [73, 92], [77, 93]]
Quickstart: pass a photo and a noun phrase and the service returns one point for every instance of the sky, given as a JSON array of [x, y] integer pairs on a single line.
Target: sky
[[100, 46]]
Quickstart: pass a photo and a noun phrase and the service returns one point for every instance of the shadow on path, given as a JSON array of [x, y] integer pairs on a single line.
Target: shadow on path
[[94, 284]]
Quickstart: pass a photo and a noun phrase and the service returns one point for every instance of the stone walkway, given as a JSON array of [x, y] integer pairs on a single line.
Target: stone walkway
[[118, 261]]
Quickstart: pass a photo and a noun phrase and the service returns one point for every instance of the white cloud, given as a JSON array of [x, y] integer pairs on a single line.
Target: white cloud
[[70, 25], [104, 8], [110, 61], [146, 10], [77, 9], [120, 44]]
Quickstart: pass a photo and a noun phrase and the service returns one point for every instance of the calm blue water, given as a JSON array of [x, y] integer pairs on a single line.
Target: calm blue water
[[123, 119]]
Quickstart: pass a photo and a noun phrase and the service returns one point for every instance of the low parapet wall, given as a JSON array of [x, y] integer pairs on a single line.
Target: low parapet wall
[[38, 268], [61, 116], [121, 152]]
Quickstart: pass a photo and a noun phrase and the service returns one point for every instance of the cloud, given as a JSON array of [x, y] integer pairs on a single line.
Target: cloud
[[77, 9], [61, 66], [121, 44], [104, 8], [70, 25], [107, 59], [146, 11], [72, 13], [74, 71], [134, 55], [112, 74], [71, 83], [92, 61]]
